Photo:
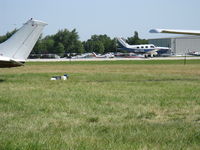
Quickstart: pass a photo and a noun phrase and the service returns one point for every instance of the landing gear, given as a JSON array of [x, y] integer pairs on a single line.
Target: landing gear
[[148, 55]]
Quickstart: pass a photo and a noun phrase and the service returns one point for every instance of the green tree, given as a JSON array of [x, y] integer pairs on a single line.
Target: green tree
[[36, 48], [69, 40], [88, 46], [100, 44], [50, 45], [62, 36], [7, 35], [78, 47], [98, 47], [60, 49], [108, 43], [44, 46], [135, 40]]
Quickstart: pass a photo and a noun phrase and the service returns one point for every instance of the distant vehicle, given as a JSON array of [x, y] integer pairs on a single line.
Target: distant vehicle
[[15, 50], [145, 49], [174, 31], [108, 55]]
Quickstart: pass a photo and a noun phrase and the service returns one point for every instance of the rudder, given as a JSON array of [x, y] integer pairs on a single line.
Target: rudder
[[22, 42]]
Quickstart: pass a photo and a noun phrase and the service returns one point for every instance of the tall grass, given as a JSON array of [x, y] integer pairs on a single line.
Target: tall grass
[[104, 105]]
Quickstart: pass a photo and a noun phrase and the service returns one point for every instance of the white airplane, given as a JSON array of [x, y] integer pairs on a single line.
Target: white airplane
[[85, 55], [146, 49], [17, 48], [108, 55], [174, 31], [194, 53]]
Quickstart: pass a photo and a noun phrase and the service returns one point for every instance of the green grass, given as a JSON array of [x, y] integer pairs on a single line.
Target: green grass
[[111, 105]]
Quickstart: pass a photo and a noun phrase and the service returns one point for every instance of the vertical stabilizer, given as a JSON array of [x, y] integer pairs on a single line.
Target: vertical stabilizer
[[122, 43], [22, 42]]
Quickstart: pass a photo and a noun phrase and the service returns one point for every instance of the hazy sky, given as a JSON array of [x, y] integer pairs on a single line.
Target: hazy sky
[[111, 17]]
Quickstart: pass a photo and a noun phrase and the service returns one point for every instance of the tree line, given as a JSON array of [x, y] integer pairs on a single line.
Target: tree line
[[67, 42]]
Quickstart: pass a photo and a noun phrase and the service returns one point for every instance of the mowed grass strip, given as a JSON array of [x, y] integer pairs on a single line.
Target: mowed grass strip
[[104, 105]]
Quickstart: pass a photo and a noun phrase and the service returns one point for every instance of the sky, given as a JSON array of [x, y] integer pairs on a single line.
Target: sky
[[116, 18]]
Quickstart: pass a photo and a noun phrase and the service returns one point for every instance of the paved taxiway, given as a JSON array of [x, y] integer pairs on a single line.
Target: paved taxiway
[[111, 59]]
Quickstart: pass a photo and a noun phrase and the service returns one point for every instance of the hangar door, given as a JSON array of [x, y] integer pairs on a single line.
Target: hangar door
[[184, 45]]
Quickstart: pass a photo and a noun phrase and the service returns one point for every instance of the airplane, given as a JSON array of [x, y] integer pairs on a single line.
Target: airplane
[[85, 55], [174, 31], [194, 53], [146, 49], [108, 55], [15, 50]]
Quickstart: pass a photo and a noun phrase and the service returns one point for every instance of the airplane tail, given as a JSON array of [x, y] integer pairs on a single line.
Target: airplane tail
[[94, 54], [19, 45], [122, 43]]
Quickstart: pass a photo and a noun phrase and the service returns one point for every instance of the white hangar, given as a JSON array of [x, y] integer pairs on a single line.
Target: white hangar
[[178, 45]]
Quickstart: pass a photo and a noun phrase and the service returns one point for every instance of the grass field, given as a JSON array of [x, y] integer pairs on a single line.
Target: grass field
[[109, 105]]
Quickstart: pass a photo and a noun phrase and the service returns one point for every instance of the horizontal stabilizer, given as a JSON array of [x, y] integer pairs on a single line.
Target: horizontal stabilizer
[[9, 64]]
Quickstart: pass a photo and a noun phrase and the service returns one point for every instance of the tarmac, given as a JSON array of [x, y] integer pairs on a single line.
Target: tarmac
[[112, 59]]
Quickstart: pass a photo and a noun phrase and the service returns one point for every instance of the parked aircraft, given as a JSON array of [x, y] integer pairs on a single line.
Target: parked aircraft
[[85, 55], [174, 31], [194, 53], [108, 55], [17, 48], [146, 49]]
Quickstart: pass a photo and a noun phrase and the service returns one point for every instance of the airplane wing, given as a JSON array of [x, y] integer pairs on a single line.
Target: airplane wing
[[173, 31]]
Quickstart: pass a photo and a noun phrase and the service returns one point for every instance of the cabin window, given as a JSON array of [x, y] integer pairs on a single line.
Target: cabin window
[[152, 46], [138, 47], [142, 46], [146, 46]]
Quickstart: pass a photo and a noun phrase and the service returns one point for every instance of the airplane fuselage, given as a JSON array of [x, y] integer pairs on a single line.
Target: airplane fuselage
[[143, 49], [146, 49], [139, 48]]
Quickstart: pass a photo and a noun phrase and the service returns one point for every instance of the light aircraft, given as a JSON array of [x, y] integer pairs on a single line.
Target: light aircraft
[[108, 55], [15, 50], [194, 53], [174, 31], [146, 49], [85, 55]]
